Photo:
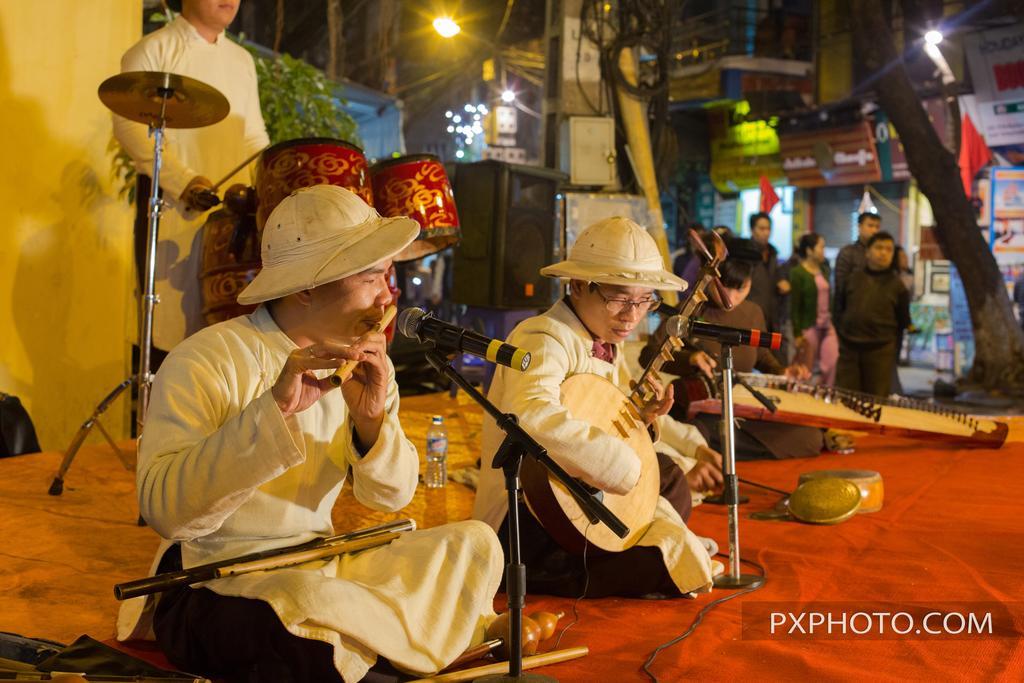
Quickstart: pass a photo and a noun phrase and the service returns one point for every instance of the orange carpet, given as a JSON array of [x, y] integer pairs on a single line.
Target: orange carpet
[[950, 535]]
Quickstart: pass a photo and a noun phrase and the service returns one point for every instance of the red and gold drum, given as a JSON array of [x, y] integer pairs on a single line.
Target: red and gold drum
[[417, 186], [231, 255], [288, 166]]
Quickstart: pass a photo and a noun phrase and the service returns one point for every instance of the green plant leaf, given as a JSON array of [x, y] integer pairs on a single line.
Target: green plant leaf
[[297, 101]]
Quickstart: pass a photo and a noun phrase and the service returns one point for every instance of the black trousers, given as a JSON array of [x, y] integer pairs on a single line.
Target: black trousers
[[636, 572], [241, 640], [867, 368]]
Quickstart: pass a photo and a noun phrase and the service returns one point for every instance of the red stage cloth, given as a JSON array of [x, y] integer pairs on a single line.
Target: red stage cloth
[[950, 531]]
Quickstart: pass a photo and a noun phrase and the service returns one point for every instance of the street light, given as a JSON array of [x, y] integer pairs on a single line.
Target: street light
[[932, 38], [508, 96], [447, 27]]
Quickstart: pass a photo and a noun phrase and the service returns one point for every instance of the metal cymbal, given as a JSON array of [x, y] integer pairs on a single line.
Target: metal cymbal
[[141, 95]]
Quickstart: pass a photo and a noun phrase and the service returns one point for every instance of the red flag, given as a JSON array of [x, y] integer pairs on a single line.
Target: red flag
[[768, 196], [974, 153]]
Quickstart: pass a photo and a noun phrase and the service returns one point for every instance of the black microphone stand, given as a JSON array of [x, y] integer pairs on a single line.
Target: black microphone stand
[[509, 457], [720, 499], [730, 492]]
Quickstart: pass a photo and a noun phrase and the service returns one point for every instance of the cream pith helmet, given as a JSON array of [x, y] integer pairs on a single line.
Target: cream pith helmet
[[616, 251], [320, 234]]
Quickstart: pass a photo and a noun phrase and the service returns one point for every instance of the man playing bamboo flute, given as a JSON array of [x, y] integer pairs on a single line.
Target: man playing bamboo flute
[[613, 271], [247, 445]]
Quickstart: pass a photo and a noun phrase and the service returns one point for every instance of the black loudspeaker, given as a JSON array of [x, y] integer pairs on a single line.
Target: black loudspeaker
[[510, 230]]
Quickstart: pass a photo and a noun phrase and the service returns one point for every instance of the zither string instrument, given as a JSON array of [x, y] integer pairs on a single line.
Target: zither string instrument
[[814, 405]]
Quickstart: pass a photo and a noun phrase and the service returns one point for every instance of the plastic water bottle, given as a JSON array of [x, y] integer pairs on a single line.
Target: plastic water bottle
[[437, 454]]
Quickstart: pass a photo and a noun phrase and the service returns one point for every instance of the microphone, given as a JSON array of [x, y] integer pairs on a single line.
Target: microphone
[[418, 324], [733, 336]]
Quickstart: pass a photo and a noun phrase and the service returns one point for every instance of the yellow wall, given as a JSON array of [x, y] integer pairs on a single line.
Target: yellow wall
[[66, 294]]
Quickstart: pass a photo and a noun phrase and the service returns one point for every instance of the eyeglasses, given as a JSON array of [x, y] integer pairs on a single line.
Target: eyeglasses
[[617, 306]]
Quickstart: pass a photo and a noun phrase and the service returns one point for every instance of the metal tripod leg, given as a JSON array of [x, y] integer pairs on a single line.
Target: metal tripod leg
[[57, 486], [144, 377]]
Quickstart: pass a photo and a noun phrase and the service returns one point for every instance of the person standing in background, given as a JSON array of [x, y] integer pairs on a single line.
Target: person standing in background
[[869, 312], [810, 297], [851, 257], [767, 282], [789, 337]]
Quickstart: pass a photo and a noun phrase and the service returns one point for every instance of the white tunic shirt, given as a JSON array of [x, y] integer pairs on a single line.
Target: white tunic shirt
[[211, 151], [560, 347], [224, 473]]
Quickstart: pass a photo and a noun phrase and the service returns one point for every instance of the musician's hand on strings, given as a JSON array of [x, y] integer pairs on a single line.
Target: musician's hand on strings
[[708, 455], [705, 477], [798, 372], [198, 195], [297, 387], [660, 404], [703, 362], [366, 392]]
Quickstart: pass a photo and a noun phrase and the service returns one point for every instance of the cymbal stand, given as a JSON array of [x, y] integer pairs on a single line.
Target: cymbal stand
[[144, 379], [149, 296]]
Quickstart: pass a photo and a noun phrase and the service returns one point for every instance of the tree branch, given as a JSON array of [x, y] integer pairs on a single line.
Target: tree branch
[[999, 344]]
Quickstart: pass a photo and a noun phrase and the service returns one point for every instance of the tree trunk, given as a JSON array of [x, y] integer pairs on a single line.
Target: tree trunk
[[335, 41], [999, 343], [390, 37], [278, 25]]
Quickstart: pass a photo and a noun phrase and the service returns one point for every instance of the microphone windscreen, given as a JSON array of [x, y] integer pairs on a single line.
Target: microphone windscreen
[[408, 322], [676, 326]]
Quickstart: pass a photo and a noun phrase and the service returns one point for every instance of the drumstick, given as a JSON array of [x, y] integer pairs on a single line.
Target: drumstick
[[342, 374], [236, 169]]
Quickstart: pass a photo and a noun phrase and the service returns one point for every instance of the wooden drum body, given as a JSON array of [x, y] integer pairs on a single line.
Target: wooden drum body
[[231, 255], [417, 186], [232, 235], [291, 165]]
